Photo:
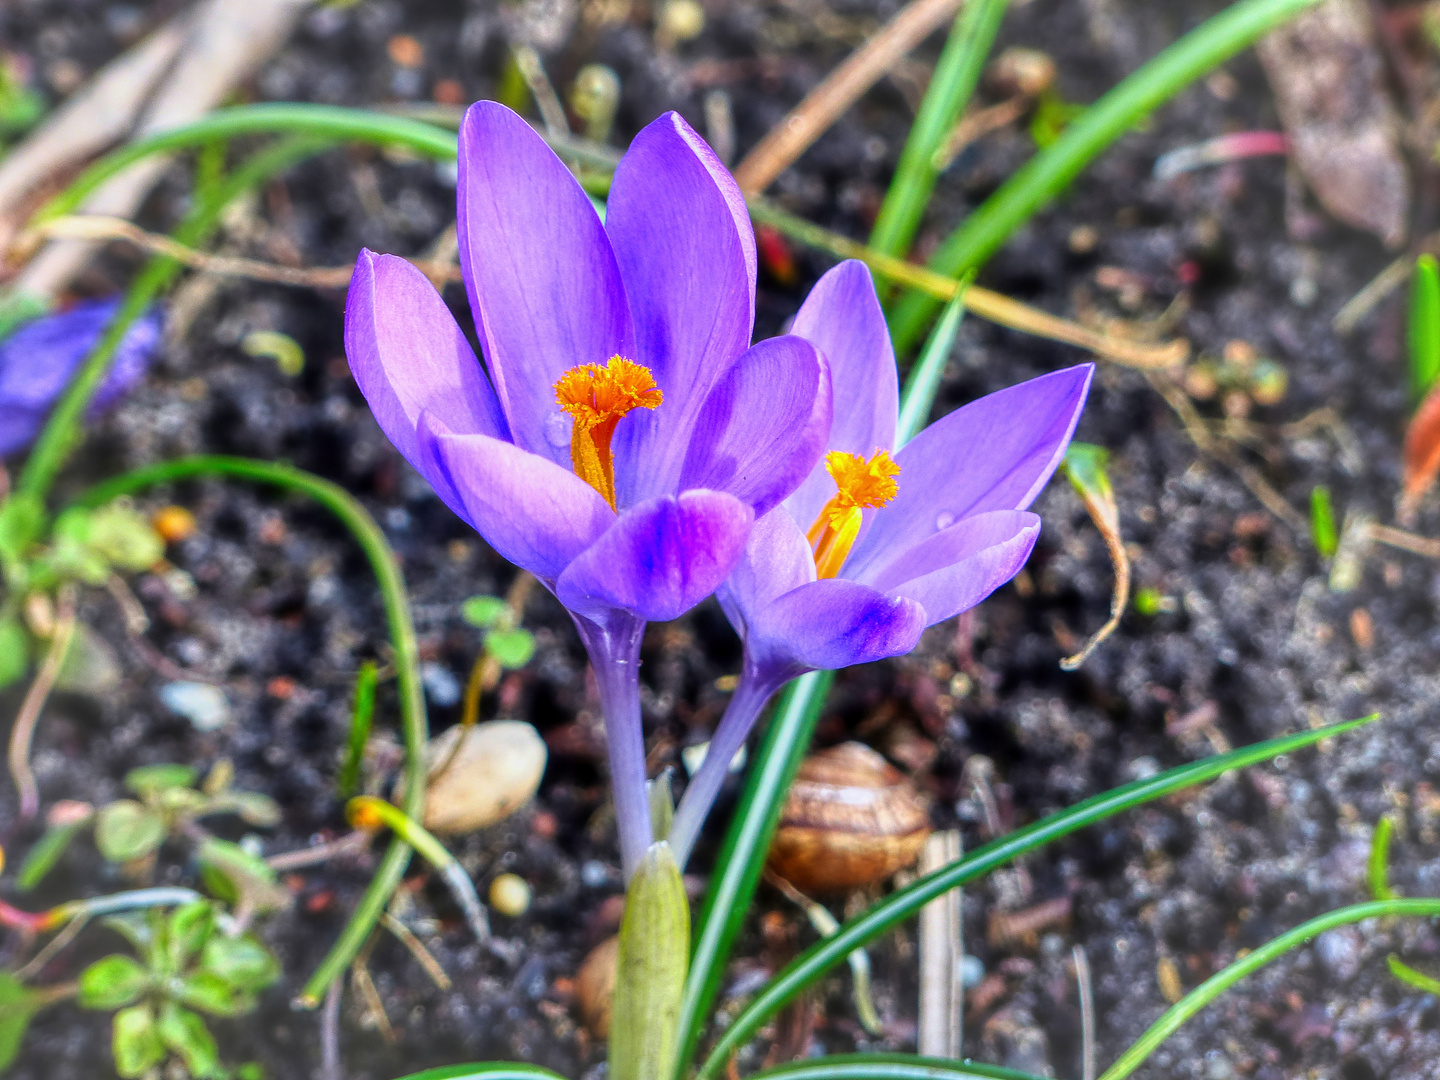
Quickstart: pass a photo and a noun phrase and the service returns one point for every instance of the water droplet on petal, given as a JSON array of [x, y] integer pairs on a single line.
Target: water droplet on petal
[[944, 520], [557, 429]]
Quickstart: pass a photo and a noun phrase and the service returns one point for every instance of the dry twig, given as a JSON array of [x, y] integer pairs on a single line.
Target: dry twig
[[1087, 1012], [23, 733], [417, 949], [351, 843], [942, 991], [825, 104]]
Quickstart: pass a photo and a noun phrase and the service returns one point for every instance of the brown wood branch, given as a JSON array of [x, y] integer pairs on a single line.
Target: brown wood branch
[[839, 90]]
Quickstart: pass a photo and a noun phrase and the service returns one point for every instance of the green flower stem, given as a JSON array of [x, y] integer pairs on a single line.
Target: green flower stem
[[134, 900], [1221, 981], [1050, 172], [956, 75], [741, 860], [413, 723], [369, 813], [61, 432], [815, 961]]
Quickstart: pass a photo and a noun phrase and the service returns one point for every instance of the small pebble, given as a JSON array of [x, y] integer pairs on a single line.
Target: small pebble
[[441, 686], [510, 895], [495, 771], [594, 874], [972, 971], [200, 703]]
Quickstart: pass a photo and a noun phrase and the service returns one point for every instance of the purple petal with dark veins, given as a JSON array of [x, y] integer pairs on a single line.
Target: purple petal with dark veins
[[832, 624], [544, 287], [686, 251], [764, 426], [533, 512], [660, 558]]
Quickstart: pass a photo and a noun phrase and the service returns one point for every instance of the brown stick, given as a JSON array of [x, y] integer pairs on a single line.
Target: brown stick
[[798, 131], [23, 733]]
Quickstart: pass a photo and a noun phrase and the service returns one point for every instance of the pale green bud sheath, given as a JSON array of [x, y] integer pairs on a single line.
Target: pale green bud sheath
[[650, 980]]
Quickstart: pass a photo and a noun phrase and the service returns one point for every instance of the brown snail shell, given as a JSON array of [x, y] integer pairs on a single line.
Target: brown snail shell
[[851, 820]]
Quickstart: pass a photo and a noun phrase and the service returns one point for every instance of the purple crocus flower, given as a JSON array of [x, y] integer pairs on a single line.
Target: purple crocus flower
[[39, 359], [897, 543], [627, 435]]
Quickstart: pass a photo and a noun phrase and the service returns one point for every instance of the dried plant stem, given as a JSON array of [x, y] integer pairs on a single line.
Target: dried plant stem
[[546, 100], [942, 991], [23, 733], [1405, 541], [352, 843], [417, 950], [1087, 1012], [839, 90], [37, 963], [330, 1034], [365, 987]]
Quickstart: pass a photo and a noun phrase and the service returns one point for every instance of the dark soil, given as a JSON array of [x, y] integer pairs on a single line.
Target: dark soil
[[285, 609]]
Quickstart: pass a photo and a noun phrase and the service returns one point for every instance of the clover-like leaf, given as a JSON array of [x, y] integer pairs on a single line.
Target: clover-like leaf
[[512, 648], [210, 993], [124, 538], [186, 1035], [189, 929], [242, 962], [112, 983], [126, 830], [14, 651], [485, 611], [152, 779], [135, 1042], [18, 1004]]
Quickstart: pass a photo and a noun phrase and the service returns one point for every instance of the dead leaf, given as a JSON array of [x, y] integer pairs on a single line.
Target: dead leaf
[[1422, 452], [1329, 82]]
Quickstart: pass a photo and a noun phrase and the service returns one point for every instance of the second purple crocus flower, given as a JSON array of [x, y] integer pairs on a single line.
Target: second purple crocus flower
[[880, 542], [627, 435]]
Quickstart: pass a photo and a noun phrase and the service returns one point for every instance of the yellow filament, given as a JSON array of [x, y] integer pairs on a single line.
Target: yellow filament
[[861, 484], [596, 398]]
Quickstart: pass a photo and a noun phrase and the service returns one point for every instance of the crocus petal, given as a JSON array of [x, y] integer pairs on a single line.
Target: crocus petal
[[842, 318], [544, 287], [833, 623], [777, 559], [955, 569], [533, 512], [660, 558], [993, 454], [409, 355], [763, 428], [686, 251]]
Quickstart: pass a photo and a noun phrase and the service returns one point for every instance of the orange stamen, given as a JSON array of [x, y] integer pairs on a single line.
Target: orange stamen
[[596, 398], [861, 484]]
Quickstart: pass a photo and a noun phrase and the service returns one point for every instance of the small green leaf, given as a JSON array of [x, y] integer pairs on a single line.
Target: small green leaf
[[251, 1070], [17, 1005], [14, 651], [124, 538], [256, 809], [112, 983], [22, 519], [1322, 522], [484, 611], [512, 648], [190, 928], [212, 994], [151, 779], [242, 962], [186, 1035], [135, 1042], [136, 927], [1423, 329], [289, 357], [127, 830], [47, 852]]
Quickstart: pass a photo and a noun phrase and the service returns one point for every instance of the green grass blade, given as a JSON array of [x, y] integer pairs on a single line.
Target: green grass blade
[[1423, 327], [360, 719], [1408, 975], [924, 379], [1221, 981], [1049, 172], [889, 1067], [486, 1070], [950, 89], [413, 721], [742, 856], [815, 961], [1378, 867]]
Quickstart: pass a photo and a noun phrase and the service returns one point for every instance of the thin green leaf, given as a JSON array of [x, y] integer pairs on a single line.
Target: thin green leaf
[[189, 928], [1407, 974], [212, 994], [18, 1004], [951, 86], [924, 378], [135, 1042], [1221, 981], [896, 908], [41, 858], [889, 1067], [1050, 171], [1423, 327], [14, 651], [742, 856], [360, 719], [242, 962], [1378, 870], [486, 1070], [1322, 522], [184, 1033]]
